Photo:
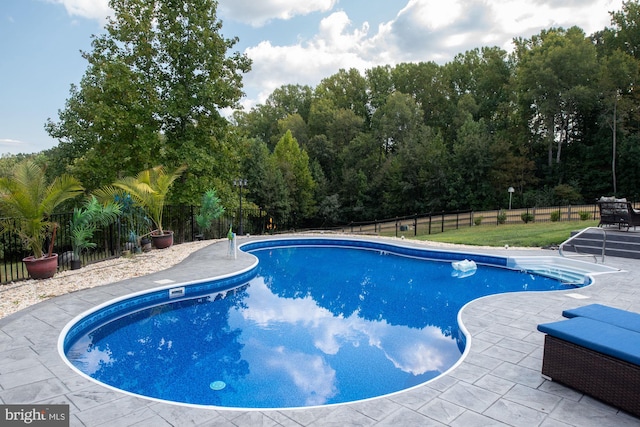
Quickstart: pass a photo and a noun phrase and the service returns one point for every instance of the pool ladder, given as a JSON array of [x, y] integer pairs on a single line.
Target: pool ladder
[[569, 241]]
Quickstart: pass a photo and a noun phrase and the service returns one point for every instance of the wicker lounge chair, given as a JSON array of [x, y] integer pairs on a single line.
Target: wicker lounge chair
[[617, 212], [595, 358]]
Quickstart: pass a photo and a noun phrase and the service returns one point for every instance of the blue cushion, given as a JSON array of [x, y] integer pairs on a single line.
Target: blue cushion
[[602, 337], [615, 316]]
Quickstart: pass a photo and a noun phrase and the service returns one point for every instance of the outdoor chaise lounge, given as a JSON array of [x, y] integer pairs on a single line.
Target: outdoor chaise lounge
[[597, 352], [617, 212]]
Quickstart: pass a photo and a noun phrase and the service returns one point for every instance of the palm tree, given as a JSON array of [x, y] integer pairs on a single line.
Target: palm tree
[[148, 189], [27, 201], [86, 220]]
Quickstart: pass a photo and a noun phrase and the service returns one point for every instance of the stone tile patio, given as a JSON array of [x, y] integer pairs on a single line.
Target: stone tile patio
[[498, 383]]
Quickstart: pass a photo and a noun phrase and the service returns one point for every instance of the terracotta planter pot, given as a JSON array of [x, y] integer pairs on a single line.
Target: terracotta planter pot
[[41, 268], [162, 241]]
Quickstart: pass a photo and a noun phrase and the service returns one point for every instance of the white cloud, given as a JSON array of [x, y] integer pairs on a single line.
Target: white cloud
[[335, 46], [257, 13], [429, 30], [246, 11], [517, 17], [90, 9], [10, 142], [433, 14], [422, 30], [419, 351], [311, 375]]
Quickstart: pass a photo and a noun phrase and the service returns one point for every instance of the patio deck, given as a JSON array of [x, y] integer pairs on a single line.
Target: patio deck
[[498, 383]]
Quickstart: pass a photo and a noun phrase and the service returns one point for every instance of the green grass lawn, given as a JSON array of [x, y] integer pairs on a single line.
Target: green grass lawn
[[523, 235]]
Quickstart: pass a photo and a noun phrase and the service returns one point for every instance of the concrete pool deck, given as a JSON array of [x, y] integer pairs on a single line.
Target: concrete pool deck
[[498, 383]]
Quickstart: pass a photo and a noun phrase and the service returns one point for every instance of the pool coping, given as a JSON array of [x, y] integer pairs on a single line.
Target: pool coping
[[499, 379]]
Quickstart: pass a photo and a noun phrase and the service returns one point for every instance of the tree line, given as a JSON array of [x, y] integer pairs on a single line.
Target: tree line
[[557, 119]]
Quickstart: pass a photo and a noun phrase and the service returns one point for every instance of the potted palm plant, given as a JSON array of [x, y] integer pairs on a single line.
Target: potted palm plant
[[85, 221], [148, 190], [27, 200]]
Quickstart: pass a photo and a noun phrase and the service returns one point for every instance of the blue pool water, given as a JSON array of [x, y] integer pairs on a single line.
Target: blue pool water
[[313, 326]]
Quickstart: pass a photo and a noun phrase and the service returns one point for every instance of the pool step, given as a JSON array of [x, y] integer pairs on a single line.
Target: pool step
[[569, 271], [621, 244], [565, 276]]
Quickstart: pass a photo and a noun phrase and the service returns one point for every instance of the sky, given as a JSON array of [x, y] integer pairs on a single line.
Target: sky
[[289, 42]]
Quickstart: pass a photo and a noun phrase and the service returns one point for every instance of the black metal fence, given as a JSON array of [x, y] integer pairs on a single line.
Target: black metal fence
[[125, 233], [433, 223]]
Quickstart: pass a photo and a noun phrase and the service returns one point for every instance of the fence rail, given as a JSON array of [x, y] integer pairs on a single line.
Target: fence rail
[[113, 240], [433, 223]]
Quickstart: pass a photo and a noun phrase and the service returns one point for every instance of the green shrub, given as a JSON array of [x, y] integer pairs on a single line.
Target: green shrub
[[477, 220], [502, 217], [555, 216], [564, 194], [584, 216], [527, 217]]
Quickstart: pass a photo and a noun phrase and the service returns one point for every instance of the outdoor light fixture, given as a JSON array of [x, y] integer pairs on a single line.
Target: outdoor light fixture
[[510, 190]]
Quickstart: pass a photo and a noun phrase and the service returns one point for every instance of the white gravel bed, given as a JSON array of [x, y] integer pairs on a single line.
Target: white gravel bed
[[18, 295]]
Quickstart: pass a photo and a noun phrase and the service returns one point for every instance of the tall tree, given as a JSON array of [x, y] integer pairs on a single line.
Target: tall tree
[[156, 81], [624, 34], [346, 89], [297, 126], [293, 162], [618, 77], [485, 75], [396, 121], [556, 85], [472, 187], [619, 51], [426, 84], [262, 121], [380, 85], [266, 184], [424, 166], [292, 99]]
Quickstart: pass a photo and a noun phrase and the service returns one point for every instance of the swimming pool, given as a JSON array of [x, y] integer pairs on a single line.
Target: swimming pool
[[295, 331]]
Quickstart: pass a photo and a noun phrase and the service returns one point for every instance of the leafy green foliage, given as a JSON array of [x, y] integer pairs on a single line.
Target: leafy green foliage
[[210, 209], [556, 120], [148, 189], [527, 217], [293, 163], [87, 219], [584, 215], [502, 217], [27, 199], [151, 94]]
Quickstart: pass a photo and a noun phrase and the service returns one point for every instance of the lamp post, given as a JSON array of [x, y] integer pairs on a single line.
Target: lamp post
[[240, 183], [510, 190]]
